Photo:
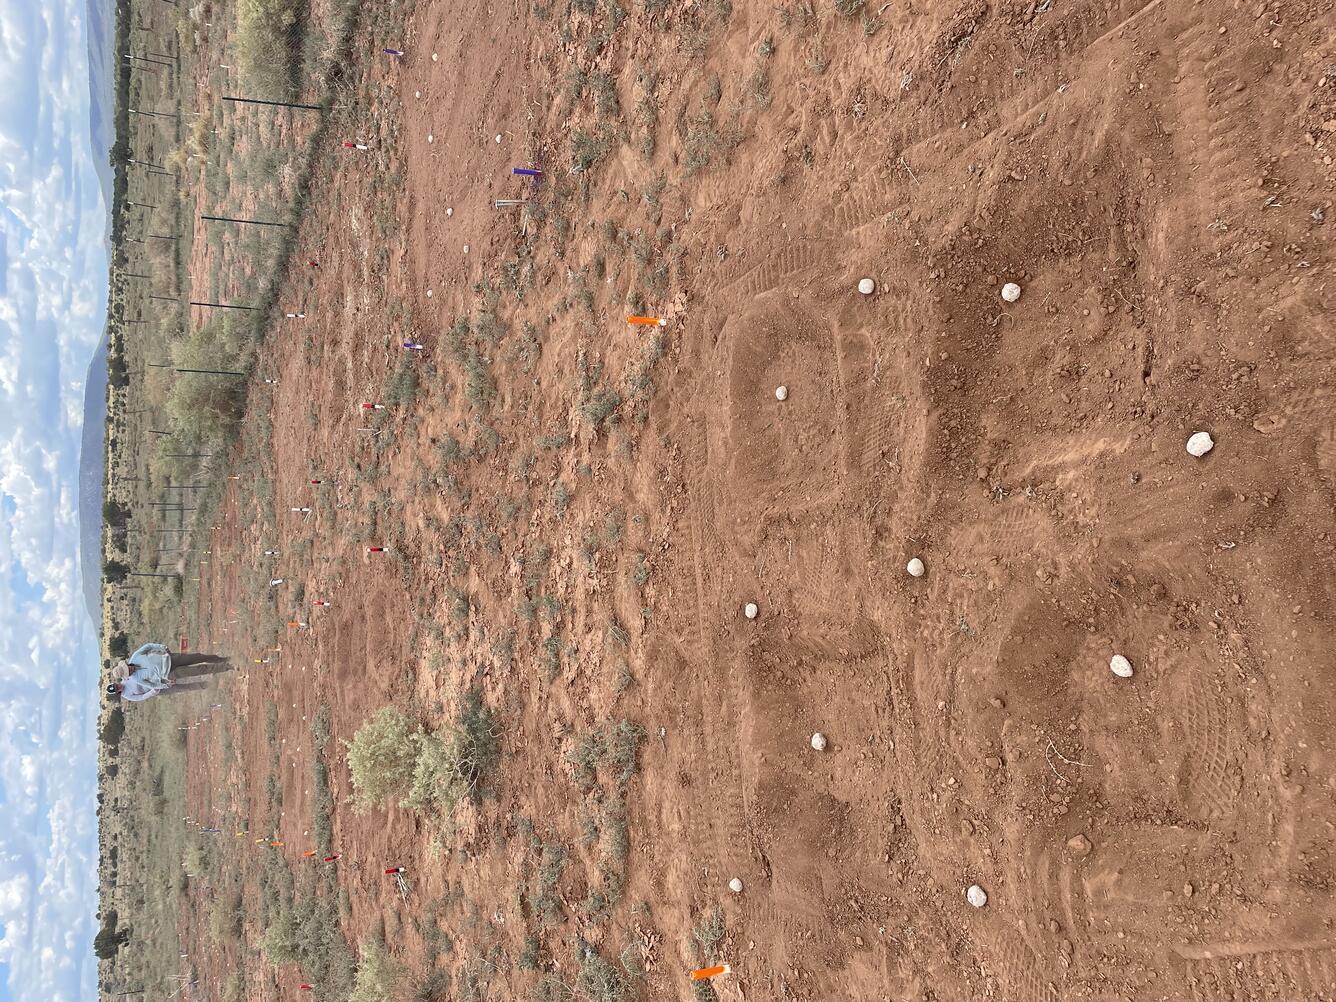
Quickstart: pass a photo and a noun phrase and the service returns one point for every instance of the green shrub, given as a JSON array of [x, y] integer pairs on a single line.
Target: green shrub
[[598, 980], [576, 82], [119, 646], [109, 939], [402, 389], [450, 452], [206, 409], [377, 974], [390, 756], [280, 939], [706, 935], [451, 765], [476, 728], [268, 40], [436, 774], [588, 148], [195, 859], [226, 916], [478, 384], [605, 91], [613, 747], [601, 407], [113, 728], [434, 987], [382, 758], [703, 143], [320, 728]]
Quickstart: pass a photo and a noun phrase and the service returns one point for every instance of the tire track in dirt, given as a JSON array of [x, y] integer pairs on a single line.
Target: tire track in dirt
[[1301, 972]]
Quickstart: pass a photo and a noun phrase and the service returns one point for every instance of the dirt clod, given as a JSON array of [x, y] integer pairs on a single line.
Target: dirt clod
[[1079, 845]]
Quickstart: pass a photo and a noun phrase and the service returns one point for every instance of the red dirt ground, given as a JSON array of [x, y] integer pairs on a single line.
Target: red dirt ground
[[1155, 176]]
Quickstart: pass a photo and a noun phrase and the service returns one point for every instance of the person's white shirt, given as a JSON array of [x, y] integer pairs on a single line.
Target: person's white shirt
[[152, 662], [137, 688]]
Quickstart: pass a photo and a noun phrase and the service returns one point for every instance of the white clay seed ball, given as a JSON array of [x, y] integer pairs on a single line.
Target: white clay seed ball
[[1011, 292], [735, 885], [449, 211], [1200, 443], [866, 286], [430, 139], [976, 895], [498, 137], [750, 610], [1120, 666], [819, 741], [781, 393], [915, 568]]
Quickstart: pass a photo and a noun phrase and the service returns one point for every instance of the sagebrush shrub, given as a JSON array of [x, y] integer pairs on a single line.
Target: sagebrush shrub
[[280, 939], [382, 757], [391, 756], [377, 974]]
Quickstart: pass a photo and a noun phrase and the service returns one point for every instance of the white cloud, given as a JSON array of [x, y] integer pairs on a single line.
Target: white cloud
[[52, 299]]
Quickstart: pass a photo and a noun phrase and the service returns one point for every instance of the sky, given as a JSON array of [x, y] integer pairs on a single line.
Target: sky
[[53, 277]]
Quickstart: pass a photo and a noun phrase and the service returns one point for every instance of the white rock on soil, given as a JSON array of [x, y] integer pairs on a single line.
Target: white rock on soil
[[915, 568], [866, 286], [781, 393], [1011, 292], [976, 895], [449, 211], [1120, 666], [735, 885], [1200, 443], [819, 741], [750, 610]]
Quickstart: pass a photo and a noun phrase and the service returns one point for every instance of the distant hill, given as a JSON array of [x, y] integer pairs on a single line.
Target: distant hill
[[91, 466], [101, 95], [101, 119]]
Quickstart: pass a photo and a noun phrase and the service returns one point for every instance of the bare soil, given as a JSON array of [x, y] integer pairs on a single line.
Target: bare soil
[[1157, 177]]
